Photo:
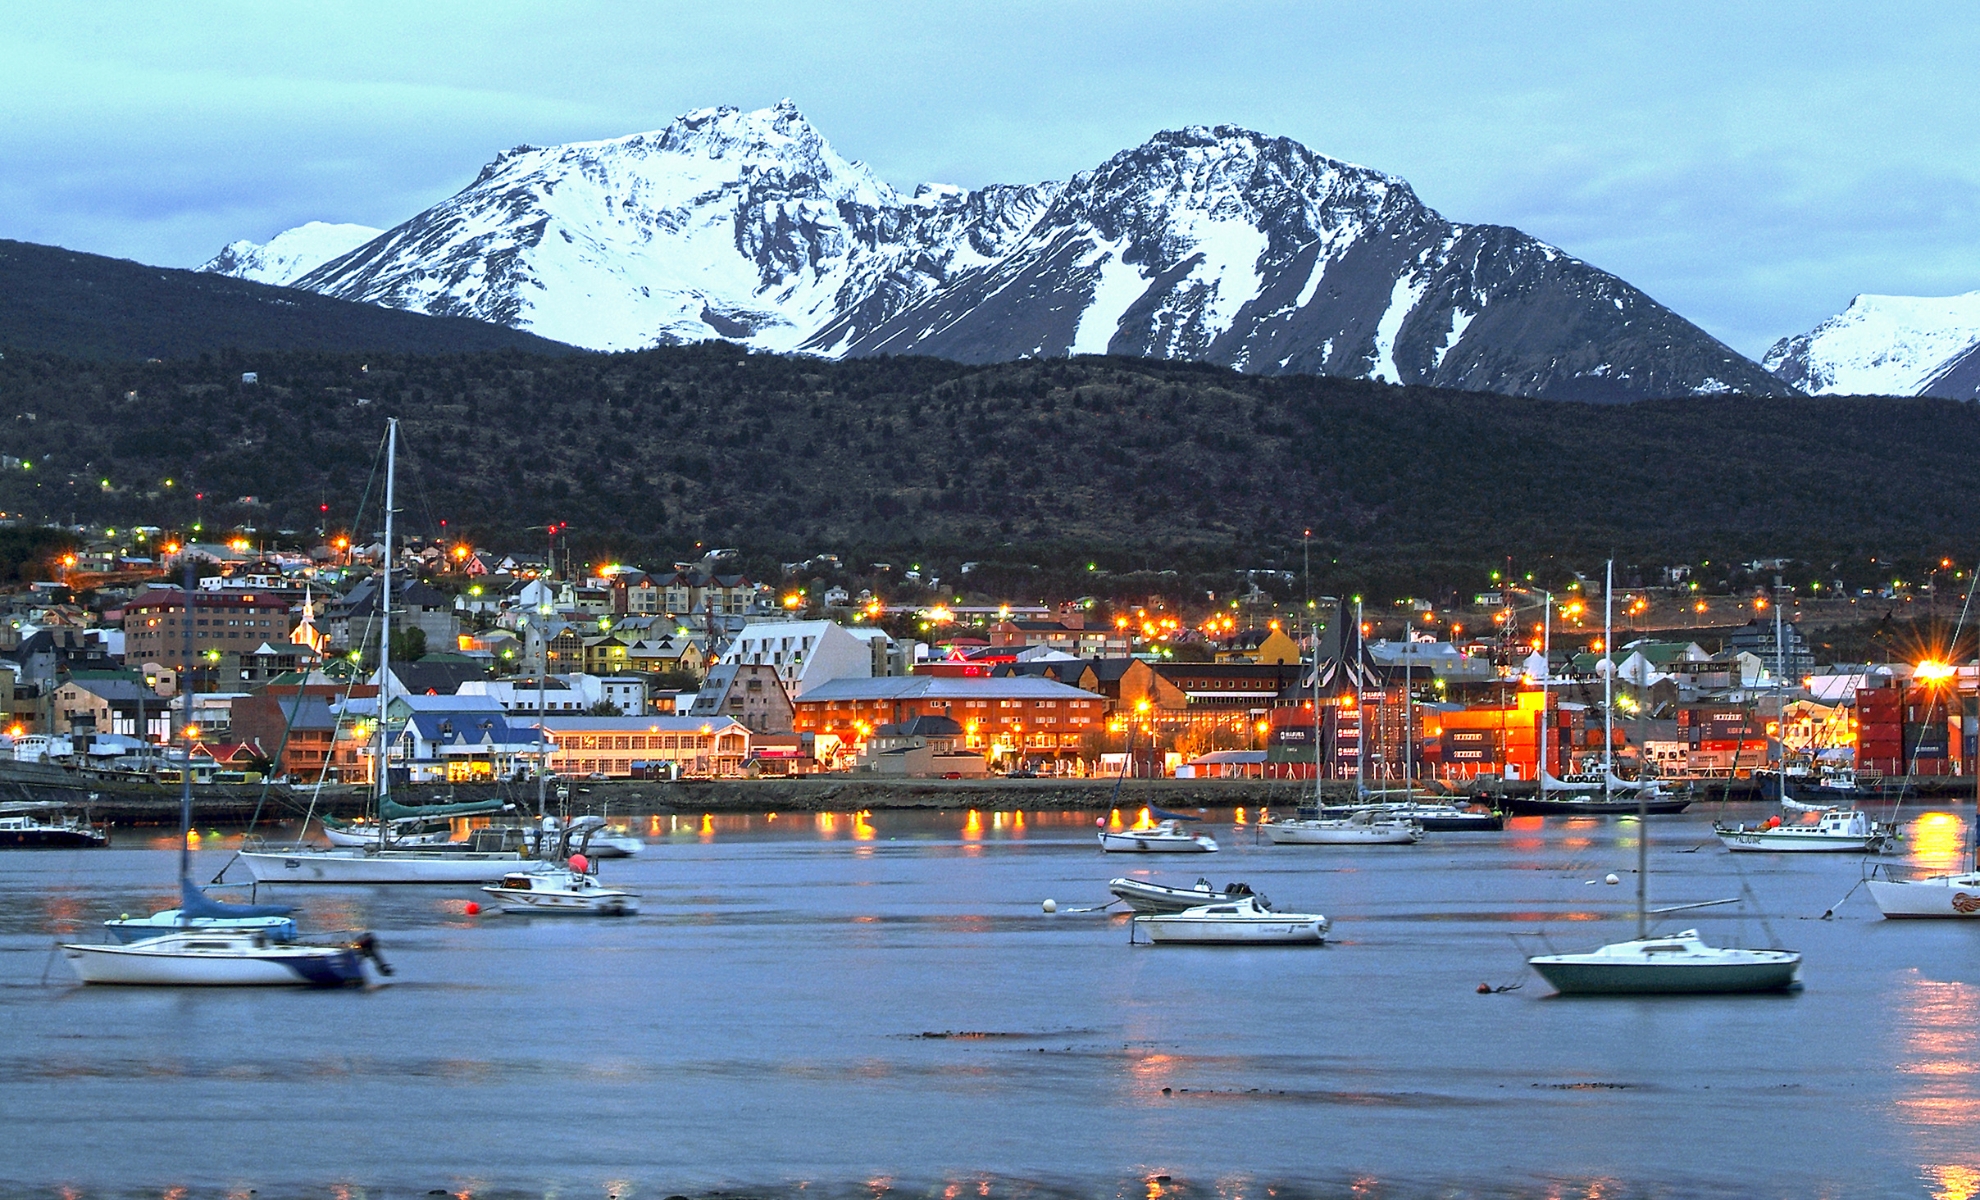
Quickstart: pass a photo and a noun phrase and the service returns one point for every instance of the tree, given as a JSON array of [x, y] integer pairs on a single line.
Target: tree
[[409, 645], [604, 708]]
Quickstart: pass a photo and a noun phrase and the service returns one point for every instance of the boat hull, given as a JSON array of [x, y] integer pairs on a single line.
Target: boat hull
[[269, 866], [1535, 806], [1944, 896], [1344, 834], [1141, 843], [602, 904], [54, 838], [1664, 979], [152, 964], [1178, 930], [1747, 841]]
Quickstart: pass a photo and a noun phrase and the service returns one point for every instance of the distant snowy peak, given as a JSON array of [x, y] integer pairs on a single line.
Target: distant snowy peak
[[291, 254], [1880, 346], [1217, 244]]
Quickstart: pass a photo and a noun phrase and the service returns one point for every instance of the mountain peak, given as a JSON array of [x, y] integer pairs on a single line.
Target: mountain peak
[[1879, 345]]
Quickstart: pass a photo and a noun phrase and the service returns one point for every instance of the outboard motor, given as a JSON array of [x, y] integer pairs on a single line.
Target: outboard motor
[[367, 947]]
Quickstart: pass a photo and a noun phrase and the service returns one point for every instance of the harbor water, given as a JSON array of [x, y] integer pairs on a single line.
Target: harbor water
[[864, 1006]]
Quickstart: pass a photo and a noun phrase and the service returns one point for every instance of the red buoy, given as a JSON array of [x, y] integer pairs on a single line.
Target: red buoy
[[580, 865], [472, 908]]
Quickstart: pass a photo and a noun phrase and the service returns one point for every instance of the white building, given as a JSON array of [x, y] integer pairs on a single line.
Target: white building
[[807, 653]]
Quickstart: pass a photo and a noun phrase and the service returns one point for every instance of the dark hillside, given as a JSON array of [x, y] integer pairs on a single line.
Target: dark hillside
[[1130, 465], [86, 306]]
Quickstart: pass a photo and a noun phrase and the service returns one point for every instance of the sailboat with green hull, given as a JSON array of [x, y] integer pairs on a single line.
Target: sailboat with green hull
[[1680, 964]]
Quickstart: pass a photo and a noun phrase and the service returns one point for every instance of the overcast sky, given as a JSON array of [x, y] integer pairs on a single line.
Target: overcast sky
[[1751, 165]]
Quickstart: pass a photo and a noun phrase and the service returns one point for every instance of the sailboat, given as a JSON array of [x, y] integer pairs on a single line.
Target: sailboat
[[208, 943], [1678, 964], [1363, 824], [485, 860], [1593, 793]]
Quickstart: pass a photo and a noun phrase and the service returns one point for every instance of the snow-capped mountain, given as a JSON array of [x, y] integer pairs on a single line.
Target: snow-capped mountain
[[1216, 244], [1881, 346], [289, 255]]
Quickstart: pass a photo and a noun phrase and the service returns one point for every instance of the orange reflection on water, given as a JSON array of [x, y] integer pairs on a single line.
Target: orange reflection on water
[[1144, 820], [1953, 1182], [1940, 1069], [1937, 842], [862, 828], [1114, 819], [827, 824], [972, 825]]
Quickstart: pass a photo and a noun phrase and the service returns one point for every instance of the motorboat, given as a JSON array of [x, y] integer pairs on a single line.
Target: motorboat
[[569, 891], [1837, 831], [224, 958], [353, 864], [199, 912], [1361, 829], [365, 833], [606, 840], [1937, 896], [1167, 837], [43, 825], [1245, 922], [1145, 897], [1680, 964]]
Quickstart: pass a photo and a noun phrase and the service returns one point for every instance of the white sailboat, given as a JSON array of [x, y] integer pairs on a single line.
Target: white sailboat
[[1680, 964], [206, 943], [1364, 824], [380, 862]]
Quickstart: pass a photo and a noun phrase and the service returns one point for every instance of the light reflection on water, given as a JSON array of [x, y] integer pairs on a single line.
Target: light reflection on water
[[759, 1024], [1936, 843]]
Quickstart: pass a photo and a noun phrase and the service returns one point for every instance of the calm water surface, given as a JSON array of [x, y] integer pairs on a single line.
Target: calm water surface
[[764, 1028]]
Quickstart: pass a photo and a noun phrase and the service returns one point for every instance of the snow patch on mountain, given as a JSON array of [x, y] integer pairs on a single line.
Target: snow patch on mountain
[[1879, 345], [289, 255]]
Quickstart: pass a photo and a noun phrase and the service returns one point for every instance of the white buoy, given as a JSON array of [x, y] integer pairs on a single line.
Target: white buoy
[[1611, 878], [1051, 906]]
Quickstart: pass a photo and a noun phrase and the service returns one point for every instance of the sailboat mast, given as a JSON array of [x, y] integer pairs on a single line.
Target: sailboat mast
[[1317, 794], [1546, 673], [382, 747], [543, 609], [186, 729], [1409, 712], [1360, 722], [1608, 679]]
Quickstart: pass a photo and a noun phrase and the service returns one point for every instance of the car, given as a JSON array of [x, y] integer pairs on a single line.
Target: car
[[598, 775], [952, 774]]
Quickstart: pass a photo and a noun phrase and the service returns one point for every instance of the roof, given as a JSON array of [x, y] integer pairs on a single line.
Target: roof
[[945, 687], [640, 724], [931, 726]]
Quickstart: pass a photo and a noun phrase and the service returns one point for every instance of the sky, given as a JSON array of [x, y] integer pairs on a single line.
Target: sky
[[1753, 166]]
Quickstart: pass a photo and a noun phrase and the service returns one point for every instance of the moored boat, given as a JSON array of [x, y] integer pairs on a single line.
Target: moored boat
[[1168, 837], [565, 891], [1361, 829], [39, 825], [1836, 831], [1680, 964], [201, 913], [1937, 896], [1246, 922], [223, 958], [1431, 817], [1145, 897]]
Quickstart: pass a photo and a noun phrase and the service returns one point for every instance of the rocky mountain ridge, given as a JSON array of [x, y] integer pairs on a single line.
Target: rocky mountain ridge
[[1217, 244]]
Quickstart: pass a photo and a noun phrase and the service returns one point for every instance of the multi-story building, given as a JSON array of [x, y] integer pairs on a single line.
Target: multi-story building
[[157, 621], [1012, 715], [620, 746]]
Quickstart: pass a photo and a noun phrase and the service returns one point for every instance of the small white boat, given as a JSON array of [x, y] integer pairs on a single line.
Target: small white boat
[[346, 864], [366, 834], [1837, 831], [1246, 922], [1145, 897], [1938, 896], [223, 958], [1169, 837], [569, 891], [1361, 829], [1680, 964]]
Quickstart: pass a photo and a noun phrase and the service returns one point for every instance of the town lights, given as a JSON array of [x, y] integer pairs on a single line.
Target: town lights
[[1932, 671]]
